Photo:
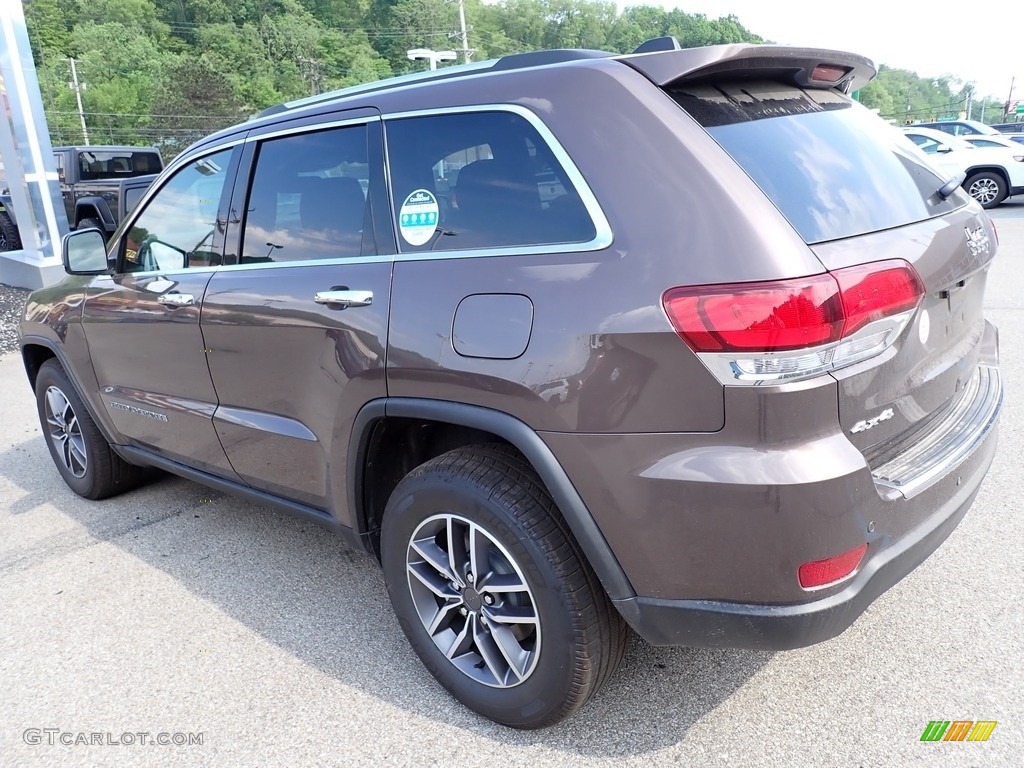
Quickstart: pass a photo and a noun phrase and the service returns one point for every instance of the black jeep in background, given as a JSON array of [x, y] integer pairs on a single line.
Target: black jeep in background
[[99, 186]]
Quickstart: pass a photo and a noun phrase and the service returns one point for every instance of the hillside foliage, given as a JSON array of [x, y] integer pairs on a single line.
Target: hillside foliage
[[166, 72]]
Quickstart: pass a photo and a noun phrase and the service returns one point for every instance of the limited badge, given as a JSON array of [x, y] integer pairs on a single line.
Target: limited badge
[[417, 220]]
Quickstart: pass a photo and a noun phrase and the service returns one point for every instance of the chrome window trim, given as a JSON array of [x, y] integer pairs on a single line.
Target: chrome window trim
[[313, 127], [603, 236], [338, 262]]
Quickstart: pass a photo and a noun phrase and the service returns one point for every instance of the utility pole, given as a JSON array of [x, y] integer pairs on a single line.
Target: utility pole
[[311, 69], [970, 93], [466, 52], [78, 97]]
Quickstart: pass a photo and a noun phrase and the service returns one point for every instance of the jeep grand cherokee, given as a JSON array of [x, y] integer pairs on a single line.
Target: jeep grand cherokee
[[684, 342]]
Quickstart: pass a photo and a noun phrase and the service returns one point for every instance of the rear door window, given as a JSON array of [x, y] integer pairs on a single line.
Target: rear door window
[[480, 180], [308, 198], [833, 168]]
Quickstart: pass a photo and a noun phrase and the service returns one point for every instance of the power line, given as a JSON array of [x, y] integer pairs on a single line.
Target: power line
[[138, 114]]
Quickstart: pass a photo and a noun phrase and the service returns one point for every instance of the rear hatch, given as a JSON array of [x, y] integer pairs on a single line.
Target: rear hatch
[[859, 193]]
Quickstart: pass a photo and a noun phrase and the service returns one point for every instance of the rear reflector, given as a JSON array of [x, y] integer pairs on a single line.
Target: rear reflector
[[820, 573], [791, 314]]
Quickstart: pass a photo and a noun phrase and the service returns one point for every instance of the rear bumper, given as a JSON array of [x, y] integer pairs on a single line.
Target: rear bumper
[[715, 624], [712, 536]]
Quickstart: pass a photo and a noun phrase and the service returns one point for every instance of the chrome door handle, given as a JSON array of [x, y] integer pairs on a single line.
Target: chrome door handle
[[345, 298], [177, 299]]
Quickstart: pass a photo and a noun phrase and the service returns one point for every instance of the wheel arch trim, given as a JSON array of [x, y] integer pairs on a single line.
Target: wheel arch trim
[[99, 418], [996, 169], [523, 438], [99, 205]]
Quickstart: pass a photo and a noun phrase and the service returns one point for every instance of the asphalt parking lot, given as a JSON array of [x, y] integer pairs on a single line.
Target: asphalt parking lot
[[177, 610]]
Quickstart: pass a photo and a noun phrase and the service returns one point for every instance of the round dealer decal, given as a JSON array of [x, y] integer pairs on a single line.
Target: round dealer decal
[[417, 220]]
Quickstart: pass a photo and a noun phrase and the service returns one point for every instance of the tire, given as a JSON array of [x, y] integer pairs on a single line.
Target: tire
[[987, 187], [10, 238], [78, 449], [92, 224], [566, 639]]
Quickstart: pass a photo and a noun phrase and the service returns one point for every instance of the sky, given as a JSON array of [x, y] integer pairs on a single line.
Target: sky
[[981, 42]]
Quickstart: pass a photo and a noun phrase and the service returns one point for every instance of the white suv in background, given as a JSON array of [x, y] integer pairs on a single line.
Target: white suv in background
[[1001, 141], [991, 174]]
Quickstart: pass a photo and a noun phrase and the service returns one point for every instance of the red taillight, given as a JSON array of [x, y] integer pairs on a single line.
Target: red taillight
[[832, 569], [757, 316], [870, 293], [790, 314]]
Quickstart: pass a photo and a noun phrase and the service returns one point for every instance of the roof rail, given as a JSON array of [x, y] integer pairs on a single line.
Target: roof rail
[[457, 70], [542, 58], [512, 61]]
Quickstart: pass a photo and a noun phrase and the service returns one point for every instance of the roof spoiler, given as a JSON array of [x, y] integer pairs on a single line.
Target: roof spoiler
[[804, 67]]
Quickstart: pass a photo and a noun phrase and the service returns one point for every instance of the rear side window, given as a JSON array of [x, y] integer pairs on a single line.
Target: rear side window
[[132, 195], [480, 180], [833, 168]]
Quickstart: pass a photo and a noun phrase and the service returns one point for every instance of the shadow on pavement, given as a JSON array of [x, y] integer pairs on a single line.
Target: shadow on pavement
[[304, 590]]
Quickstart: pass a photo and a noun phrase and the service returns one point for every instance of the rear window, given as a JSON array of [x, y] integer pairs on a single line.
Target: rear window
[[833, 168], [93, 165]]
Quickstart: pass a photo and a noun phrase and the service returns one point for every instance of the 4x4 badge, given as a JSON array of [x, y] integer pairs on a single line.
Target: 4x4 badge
[[977, 241], [865, 424]]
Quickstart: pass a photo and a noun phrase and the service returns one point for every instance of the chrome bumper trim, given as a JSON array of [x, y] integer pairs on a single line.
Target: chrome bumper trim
[[947, 442]]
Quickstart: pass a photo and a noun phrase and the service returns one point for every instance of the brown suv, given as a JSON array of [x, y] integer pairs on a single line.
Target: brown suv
[[686, 342]]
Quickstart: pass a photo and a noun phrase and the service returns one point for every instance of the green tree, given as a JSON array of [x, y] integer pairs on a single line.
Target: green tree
[[197, 98], [49, 25]]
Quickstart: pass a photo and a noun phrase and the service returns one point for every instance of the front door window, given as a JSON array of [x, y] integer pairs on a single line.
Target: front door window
[[179, 228]]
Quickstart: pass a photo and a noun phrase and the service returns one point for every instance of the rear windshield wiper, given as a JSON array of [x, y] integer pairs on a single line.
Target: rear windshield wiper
[[950, 186]]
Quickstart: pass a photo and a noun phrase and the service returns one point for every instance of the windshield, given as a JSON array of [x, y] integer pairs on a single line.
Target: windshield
[[833, 168]]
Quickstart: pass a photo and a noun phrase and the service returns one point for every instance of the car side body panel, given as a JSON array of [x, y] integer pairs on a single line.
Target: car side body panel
[[598, 360]]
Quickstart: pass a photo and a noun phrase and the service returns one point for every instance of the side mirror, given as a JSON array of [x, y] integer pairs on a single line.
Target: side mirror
[[84, 252], [943, 149]]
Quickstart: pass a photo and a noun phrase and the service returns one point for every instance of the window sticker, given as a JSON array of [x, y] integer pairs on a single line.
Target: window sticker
[[417, 219]]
